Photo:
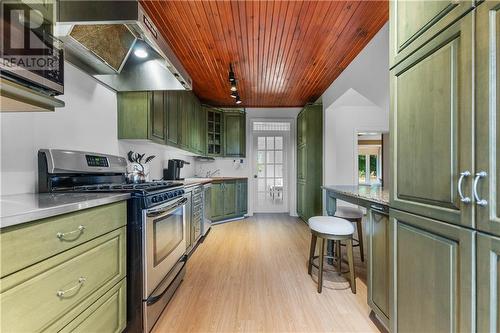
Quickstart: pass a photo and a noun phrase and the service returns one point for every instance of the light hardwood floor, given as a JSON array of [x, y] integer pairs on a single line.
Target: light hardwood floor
[[251, 276]]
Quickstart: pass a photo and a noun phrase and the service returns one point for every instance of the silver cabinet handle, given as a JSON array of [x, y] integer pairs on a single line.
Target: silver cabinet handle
[[81, 281], [64, 235], [460, 193], [479, 201]]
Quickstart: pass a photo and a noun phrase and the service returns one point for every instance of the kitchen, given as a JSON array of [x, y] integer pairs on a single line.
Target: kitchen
[[304, 117]]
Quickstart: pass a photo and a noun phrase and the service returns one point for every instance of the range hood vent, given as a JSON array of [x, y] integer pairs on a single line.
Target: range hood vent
[[100, 36]]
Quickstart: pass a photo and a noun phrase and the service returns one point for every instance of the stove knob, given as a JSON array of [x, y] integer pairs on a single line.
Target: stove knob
[[154, 199], [165, 196], [170, 194]]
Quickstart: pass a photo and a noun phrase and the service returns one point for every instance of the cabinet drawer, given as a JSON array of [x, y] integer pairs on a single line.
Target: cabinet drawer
[[53, 292], [107, 315], [33, 242]]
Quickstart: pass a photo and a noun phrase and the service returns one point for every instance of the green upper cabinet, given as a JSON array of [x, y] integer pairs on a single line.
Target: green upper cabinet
[[487, 115], [234, 133], [158, 130], [172, 110], [488, 280], [214, 131], [433, 270], [185, 112], [413, 23], [309, 161], [431, 125]]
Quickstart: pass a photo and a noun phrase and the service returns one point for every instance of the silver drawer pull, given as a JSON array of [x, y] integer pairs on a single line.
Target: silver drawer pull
[[75, 233], [479, 201], [460, 180], [81, 281]]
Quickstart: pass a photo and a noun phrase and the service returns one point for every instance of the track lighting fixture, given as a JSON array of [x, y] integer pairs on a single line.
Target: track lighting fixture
[[234, 94], [232, 81]]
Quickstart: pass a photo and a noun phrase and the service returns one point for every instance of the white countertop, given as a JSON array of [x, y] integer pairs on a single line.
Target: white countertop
[[20, 208]]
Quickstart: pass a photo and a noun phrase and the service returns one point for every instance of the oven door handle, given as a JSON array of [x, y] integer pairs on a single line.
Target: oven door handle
[[166, 210], [155, 298]]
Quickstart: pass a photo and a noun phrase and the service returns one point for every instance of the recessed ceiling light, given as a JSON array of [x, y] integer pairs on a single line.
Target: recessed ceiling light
[[140, 53]]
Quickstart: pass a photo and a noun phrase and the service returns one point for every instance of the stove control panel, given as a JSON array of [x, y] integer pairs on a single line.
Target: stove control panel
[[158, 198]]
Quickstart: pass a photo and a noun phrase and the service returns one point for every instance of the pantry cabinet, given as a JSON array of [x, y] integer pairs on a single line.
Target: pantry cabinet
[[413, 23], [309, 161], [487, 117], [433, 268], [432, 126], [488, 280]]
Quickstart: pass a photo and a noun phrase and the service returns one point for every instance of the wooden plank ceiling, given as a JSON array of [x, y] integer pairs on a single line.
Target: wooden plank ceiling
[[284, 53]]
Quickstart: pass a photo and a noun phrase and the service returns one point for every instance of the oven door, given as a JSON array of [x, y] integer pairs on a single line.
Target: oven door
[[164, 242]]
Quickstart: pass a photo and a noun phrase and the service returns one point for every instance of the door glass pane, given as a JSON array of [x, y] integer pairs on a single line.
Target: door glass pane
[[270, 183], [278, 142], [362, 169], [278, 171], [260, 171], [270, 170], [270, 143], [261, 184], [278, 156], [261, 142], [261, 159], [373, 168], [270, 157]]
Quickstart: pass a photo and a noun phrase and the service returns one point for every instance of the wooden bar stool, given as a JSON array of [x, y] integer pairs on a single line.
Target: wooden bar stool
[[335, 229], [355, 215]]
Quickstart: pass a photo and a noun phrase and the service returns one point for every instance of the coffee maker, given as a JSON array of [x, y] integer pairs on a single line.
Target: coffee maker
[[173, 172]]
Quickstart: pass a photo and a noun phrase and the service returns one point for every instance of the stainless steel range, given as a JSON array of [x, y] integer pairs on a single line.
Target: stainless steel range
[[156, 229]]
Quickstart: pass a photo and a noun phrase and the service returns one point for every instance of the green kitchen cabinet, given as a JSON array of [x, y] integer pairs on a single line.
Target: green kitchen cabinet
[[309, 161], [173, 111], [234, 133], [230, 198], [214, 132], [379, 262], [433, 285], [141, 115], [488, 280], [217, 203], [431, 125], [242, 193], [487, 116], [185, 112], [414, 23]]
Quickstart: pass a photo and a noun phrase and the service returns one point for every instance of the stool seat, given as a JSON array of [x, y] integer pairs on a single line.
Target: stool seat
[[347, 212], [331, 225]]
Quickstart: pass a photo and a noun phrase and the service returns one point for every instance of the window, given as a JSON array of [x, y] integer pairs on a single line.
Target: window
[[370, 164], [271, 126]]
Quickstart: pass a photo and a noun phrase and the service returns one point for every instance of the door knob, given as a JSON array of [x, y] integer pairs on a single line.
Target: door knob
[[254, 176]]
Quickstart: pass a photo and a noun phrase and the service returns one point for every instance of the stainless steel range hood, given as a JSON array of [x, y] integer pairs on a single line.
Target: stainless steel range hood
[[100, 38]]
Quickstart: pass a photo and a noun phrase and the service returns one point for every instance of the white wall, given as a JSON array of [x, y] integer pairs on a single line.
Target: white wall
[[357, 101], [87, 122]]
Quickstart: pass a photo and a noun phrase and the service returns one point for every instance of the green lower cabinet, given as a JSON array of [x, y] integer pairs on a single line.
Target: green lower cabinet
[[379, 263], [433, 287], [242, 189], [229, 199], [488, 283]]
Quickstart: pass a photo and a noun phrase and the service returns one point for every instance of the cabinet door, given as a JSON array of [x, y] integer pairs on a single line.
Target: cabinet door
[[301, 162], [301, 188], [378, 264], [202, 118], [242, 197], [431, 126], [488, 280], [217, 201], [184, 113], [433, 275], [157, 128], [172, 118], [487, 115], [234, 134], [413, 23], [301, 129], [229, 198], [133, 114]]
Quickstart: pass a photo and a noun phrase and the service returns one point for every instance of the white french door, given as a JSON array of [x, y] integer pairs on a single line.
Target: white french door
[[270, 171]]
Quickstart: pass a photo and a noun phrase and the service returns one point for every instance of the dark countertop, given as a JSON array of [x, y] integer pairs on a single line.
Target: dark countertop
[[21, 208], [375, 194]]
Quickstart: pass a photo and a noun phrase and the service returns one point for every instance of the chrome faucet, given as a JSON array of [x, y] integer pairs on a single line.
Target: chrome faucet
[[210, 174]]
